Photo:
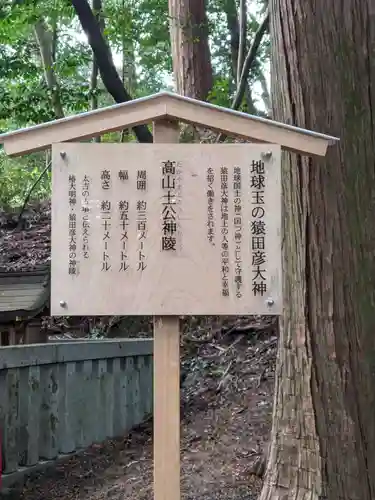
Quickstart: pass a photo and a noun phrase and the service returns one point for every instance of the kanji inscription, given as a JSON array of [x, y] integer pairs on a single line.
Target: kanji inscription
[[158, 229]]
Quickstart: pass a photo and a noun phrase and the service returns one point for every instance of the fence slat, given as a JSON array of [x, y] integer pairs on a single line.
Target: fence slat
[[66, 407], [108, 388], [137, 401], [129, 397], [29, 407], [119, 410], [149, 384], [101, 427], [3, 409], [49, 420], [90, 398], [141, 369], [11, 423]]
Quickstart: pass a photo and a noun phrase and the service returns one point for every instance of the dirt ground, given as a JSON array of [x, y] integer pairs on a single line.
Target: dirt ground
[[226, 415]]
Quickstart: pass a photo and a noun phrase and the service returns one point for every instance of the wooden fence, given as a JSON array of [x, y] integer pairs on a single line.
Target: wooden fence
[[58, 398]]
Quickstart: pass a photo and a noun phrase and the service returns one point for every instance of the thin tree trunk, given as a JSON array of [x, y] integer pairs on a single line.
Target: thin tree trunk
[[242, 39], [47, 40], [128, 59], [265, 92], [190, 49], [97, 8], [249, 61], [233, 25], [323, 436], [128, 55]]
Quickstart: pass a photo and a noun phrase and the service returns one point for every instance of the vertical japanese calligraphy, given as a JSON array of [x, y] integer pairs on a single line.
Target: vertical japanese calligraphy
[[141, 230], [85, 216], [105, 209], [72, 196], [178, 205], [237, 222], [210, 177], [141, 180], [169, 213], [123, 208], [224, 201], [258, 227], [123, 175], [105, 177]]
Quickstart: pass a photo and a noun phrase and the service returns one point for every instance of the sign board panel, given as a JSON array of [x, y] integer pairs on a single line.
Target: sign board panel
[[166, 229]]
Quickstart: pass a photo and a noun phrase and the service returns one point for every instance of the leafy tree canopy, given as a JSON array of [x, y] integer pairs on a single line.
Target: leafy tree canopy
[[137, 33]]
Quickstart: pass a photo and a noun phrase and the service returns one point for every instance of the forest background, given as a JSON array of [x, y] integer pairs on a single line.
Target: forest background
[[48, 70]]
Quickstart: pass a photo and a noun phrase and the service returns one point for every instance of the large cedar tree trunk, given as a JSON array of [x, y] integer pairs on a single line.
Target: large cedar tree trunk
[[190, 49], [323, 436]]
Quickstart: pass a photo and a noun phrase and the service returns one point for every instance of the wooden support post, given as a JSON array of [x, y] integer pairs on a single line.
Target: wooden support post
[[166, 380], [12, 337]]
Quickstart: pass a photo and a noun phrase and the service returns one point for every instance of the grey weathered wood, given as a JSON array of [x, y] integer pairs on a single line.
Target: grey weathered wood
[[3, 401], [62, 406], [109, 396], [129, 394], [23, 436], [150, 387], [23, 294], [33, 398], [141, 369], [101, 424], [91, 401], [11, 428], [49, 420], [66, 407], [79, 396], [45, 354], [137, 399], [29, 409], [118, 398]]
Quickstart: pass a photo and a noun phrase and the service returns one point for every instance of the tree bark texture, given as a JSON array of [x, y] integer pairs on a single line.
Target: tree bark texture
[[46, 42], [190, 49], [323, 436]]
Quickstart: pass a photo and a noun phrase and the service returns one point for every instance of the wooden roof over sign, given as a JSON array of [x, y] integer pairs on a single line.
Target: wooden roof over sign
[[165, 105]]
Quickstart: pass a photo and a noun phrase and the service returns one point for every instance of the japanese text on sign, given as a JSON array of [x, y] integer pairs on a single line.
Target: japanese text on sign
[[196, 229], [258, 227], [169, 212], [72, 196]]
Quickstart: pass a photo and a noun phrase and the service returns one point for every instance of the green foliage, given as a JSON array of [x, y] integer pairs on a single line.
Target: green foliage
[[137, 32], [16, 178], [220, 93]]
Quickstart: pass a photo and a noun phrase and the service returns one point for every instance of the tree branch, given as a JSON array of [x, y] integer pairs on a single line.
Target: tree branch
[[31, 190], [242, 39], [234, 32], [103, 56], [265, 93], [249, 61]]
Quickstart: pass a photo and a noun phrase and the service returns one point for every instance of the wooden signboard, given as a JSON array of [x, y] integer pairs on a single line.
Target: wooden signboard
[[166, 229]]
